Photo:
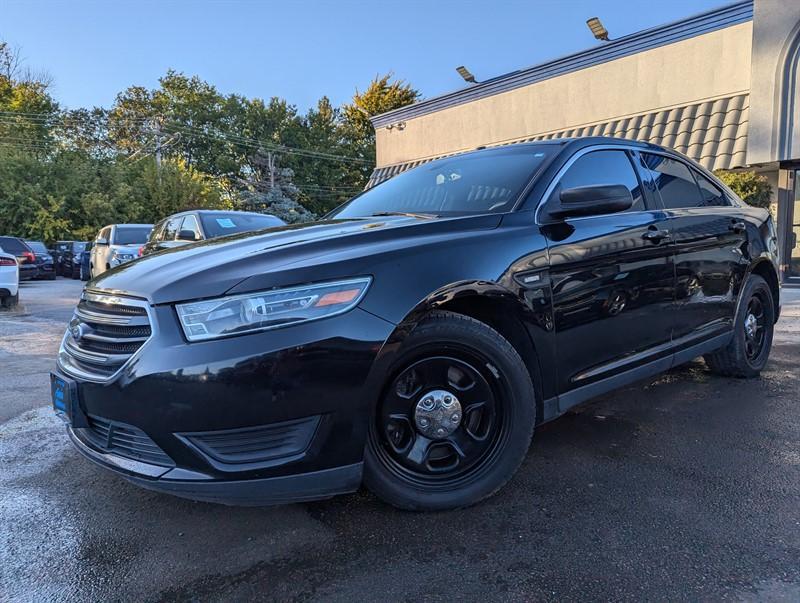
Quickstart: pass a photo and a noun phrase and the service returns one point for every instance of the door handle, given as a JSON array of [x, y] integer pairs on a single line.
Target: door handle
[[737, 226], [655, 235]]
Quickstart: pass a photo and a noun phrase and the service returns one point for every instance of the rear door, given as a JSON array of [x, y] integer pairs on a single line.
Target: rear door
[[612, 277], [709, 236]]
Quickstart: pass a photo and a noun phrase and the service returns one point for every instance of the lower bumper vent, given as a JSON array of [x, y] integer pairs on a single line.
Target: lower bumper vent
[[124, 440], [255, 444]]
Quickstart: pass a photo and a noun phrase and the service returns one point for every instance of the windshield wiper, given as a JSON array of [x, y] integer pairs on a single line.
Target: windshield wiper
[[404, 213]]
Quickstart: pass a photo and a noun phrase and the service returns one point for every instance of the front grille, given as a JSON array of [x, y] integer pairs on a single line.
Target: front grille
[[125, 440], [105, 331], [256, 444]]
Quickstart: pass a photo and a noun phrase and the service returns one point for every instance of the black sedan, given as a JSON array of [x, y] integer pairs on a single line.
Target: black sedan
[[44, 261], [69, 259], [26, 258], [414, 338]]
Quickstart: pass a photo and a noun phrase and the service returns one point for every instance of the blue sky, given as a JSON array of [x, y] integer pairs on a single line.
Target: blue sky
[[303, 49]]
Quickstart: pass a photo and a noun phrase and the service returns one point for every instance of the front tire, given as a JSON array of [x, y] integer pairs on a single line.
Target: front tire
[[747, 353], [455, 419]]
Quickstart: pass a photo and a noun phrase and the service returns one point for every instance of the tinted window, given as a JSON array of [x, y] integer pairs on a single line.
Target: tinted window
[[62, 246], [12, 245], [157, 232], [602, 168], [77, 247], [474, 183], [712, 196], [37, 246], [673, 180], [131, 235], [221, 224], [190, 223], [105, 233]]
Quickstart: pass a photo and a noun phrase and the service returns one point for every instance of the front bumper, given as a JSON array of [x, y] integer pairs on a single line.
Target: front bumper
[[173, 396]]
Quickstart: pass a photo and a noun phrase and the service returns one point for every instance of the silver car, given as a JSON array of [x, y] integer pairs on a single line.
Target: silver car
[[116, 244]]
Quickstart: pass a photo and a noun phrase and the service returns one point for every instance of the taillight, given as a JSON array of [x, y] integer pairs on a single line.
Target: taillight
[[7, 262], [30, 256], [141, 250]]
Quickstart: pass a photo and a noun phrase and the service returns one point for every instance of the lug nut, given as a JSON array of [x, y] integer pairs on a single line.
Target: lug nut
[[447, 399], [440, 432], [423, 422], [455, 418]]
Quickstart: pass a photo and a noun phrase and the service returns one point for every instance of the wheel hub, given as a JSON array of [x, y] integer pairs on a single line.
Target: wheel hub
[[437, 414], [750, 325]]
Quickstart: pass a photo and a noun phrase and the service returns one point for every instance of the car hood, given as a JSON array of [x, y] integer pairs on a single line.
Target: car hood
[[249, 261]]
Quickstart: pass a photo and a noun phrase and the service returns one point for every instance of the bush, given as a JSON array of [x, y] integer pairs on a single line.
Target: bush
[[754, 189]]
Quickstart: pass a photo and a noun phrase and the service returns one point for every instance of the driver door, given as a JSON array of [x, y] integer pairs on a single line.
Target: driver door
[[612, 278]]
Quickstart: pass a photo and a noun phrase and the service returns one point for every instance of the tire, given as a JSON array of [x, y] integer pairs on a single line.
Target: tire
[[76, 274], [747, 353], [415, 459], [84, 275], [51, 276], [9, 301]]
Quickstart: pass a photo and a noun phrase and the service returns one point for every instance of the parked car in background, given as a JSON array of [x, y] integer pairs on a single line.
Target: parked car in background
[[85, 258], [44, 261], [200, 225], [26, 258], [58, 248], [9, 279], [417, 336], [116, 244], [68, 262]]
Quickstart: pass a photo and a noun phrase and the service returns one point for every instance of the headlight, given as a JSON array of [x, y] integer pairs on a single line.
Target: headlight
[[240, 314], [123, 257]]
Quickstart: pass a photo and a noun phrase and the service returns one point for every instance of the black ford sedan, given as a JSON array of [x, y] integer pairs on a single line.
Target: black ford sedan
[[414, 338]]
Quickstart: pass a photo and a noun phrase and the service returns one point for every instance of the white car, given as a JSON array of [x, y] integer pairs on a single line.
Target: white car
[[9, 280], [116, 244]]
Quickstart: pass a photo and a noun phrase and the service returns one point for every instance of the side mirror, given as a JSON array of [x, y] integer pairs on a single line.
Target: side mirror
[[592, 201], [186, 235], [101, 242]]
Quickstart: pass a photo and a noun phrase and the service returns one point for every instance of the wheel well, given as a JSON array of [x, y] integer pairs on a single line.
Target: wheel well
[[766, 270], [503, 317]]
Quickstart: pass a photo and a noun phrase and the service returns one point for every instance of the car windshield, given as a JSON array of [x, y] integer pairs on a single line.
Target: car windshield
[[488, 181], [131, 235], [218, 225], [78, 247], [37, 246]]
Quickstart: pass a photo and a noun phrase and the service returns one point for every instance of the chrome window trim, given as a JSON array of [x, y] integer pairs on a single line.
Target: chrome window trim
[[107, 297]]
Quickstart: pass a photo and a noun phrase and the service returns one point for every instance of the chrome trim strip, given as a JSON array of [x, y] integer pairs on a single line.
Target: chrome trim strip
[[65, 349]]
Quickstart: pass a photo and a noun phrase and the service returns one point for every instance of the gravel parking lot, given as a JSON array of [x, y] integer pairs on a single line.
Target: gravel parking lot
[[685, 487]]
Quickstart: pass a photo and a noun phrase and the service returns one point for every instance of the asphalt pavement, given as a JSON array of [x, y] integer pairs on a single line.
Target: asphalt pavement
[[685, 487]]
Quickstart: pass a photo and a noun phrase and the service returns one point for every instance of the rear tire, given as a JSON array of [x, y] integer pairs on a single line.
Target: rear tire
[[9, 301], [747, 353], [475, 436]]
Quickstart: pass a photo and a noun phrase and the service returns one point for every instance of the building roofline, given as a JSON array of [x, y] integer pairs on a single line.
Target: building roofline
[[661, 35]]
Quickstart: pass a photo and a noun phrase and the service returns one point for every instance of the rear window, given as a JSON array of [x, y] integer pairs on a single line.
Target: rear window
[[131, 235], [77, 247], [674, 181], [219, 225], [37, 246], [12, 245]]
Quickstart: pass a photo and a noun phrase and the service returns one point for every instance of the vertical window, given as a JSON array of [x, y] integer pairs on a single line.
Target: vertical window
[[599, 168], [711, 194], [674, 181]]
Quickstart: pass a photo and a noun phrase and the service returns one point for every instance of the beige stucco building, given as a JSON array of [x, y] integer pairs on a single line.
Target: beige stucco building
[[722, 87]]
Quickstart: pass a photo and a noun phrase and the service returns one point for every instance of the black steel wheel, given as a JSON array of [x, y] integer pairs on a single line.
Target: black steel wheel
[[455, 418], [748, 351]]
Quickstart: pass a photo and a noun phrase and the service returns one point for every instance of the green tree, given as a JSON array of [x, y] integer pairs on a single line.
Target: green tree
[[754, 189]]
